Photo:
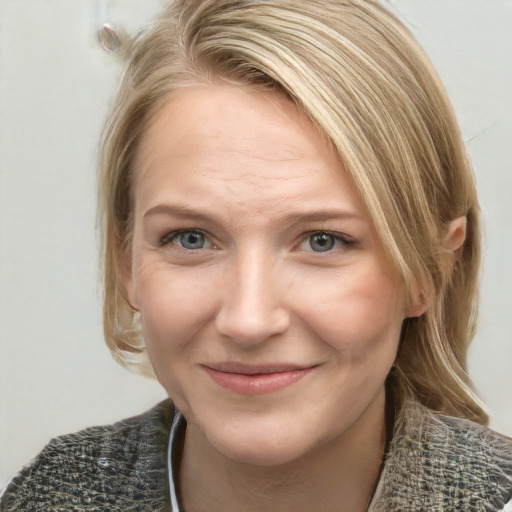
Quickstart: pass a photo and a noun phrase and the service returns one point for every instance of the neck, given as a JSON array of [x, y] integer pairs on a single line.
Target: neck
[[339, 475]]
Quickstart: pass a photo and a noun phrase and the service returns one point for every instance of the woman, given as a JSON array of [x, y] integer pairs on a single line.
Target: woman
[[292, 237]]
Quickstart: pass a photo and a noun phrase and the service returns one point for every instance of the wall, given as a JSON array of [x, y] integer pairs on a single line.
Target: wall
[[56, 376]]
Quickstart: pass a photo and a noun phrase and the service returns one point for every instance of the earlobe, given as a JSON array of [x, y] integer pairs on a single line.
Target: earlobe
[[419, 304], [130, 295]]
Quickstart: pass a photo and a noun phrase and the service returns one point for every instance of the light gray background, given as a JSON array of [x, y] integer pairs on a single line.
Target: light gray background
[[56, 375]]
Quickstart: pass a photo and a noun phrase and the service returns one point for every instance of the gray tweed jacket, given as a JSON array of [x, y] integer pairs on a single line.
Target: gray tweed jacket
[[435, 463]]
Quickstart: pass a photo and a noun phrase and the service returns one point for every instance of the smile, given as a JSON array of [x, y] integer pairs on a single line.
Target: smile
[[255, 380]]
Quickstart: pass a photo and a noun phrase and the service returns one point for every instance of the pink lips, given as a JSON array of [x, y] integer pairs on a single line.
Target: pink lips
[[255, 380]]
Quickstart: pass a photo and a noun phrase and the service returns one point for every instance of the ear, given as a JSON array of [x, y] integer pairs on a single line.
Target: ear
[[127, 281], [452, 241], [455, 234]]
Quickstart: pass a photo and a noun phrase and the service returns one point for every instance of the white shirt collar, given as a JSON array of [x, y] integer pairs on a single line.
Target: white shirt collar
[[171, 449]]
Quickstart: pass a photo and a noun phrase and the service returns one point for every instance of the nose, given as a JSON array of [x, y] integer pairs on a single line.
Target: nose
[[253, 307]]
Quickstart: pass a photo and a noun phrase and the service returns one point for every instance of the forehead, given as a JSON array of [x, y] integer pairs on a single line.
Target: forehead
[[234, 140], [223, 117]]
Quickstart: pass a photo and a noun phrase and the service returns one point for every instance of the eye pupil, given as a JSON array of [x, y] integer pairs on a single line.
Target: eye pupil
[[191, 240], [322, 242]]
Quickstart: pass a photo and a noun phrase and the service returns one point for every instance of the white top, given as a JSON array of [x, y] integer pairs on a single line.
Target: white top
[[177, 421]]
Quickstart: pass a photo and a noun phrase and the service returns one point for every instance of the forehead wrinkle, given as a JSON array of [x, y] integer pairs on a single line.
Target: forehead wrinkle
[[247, 150], [183, 145], [253, 146], [146, 156]]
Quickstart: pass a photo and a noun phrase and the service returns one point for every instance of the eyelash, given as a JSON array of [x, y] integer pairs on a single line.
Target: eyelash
[[343, 240]]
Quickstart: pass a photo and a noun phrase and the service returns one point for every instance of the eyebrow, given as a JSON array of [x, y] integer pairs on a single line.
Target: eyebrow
[[305, 216], [176, 211]]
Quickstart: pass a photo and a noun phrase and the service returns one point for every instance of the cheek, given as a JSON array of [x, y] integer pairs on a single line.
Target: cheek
[[358, 314], [173, 308], [173, 305]]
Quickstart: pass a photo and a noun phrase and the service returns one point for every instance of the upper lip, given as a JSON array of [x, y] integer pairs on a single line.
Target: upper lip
[[256, 369]]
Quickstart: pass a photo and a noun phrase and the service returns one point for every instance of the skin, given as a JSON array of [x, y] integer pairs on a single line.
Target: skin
[[282, 270]]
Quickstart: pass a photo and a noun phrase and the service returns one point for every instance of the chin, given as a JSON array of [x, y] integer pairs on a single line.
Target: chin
[[260, 444]]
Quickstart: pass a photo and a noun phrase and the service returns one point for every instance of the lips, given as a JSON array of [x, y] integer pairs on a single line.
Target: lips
[[256, 379]]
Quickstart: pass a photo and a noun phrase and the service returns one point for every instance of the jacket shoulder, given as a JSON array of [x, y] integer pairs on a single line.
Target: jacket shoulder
[[439, 462], [480, 458], [114, 467]]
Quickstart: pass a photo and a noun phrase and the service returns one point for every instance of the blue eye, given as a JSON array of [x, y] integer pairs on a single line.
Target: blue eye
[[192, 240], [322, 242], [188, 239]]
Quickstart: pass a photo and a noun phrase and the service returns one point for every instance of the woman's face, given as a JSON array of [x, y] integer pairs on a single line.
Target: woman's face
[[270, 314]]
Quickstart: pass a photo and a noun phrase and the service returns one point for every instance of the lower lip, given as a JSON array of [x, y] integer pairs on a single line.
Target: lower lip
[[259, 384]]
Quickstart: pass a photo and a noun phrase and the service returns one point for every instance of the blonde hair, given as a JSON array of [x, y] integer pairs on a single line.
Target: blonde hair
[[368, 86]]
